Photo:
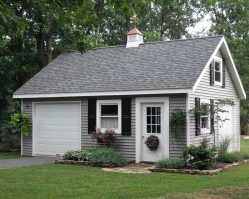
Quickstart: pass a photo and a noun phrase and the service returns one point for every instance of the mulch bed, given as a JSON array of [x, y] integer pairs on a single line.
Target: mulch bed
[[219, 167]]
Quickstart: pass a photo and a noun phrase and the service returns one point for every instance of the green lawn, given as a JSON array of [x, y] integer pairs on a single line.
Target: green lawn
[[9, 155], [74, 181], [244, 146]]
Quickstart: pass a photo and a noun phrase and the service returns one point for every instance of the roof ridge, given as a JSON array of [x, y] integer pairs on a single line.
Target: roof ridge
[[153, 42], [184, 39]]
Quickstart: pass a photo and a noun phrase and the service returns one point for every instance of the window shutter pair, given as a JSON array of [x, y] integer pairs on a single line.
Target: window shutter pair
[[198, 117], [125, 120]]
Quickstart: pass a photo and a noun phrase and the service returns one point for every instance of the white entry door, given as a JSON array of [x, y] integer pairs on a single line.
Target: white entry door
[[153, 124], [56, 128], [226, 128]]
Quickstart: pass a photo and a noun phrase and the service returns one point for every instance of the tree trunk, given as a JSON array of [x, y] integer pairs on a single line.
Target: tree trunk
[[40, 47], [49, 46]]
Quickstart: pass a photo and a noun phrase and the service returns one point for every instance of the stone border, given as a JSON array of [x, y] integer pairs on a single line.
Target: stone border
[[71, 162], [200, 172], [80, 163]]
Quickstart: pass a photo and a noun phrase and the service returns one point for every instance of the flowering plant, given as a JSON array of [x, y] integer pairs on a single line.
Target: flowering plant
[[106, 138]]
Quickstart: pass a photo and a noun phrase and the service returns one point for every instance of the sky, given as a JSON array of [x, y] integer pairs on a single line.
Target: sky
[[202, 27]]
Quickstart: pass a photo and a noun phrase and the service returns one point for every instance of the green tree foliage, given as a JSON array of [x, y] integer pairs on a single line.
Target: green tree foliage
[[231, 18], [33, 32]]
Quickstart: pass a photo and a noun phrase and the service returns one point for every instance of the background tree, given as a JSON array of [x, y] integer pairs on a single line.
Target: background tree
[[34, 32], [231, 19]]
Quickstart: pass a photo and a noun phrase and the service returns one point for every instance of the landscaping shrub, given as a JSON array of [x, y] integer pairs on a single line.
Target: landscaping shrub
[[223, 146], [201, 157], [97, 157], [78, 155], [171, 163], [106, 156], [245, 156], [231, 157]]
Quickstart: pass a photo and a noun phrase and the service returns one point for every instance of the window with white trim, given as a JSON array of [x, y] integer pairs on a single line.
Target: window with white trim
[[217, 71], [109, 115], [205, 119]]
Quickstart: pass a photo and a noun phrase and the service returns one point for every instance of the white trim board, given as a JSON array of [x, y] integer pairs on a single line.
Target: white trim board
[[21, 130], [111, 93], [230, 66]]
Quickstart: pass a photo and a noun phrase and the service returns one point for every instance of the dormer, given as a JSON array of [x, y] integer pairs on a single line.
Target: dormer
[[134, 38]]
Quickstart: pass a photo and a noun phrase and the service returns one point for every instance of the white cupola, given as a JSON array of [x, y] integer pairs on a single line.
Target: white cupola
[[134, 38]]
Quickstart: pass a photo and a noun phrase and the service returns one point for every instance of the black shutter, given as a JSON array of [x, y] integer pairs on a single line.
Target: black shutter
[[212, 73], [91, 115], [223, 75], [126, 116], [212, 116], [197, 117]]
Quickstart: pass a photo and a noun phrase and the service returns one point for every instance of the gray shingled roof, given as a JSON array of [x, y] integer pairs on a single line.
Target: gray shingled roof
[[152, 66]]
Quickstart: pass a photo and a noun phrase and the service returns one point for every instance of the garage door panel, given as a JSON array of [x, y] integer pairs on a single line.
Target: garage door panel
[[54, 149], [56, 134], [62, 115], [57, 128], [59, 121]]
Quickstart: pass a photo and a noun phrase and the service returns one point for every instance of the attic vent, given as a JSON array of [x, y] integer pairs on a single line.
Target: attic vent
[[134, 38]]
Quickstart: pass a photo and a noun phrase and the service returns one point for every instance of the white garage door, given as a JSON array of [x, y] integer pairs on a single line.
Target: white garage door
[[227, 128], [56, 128]]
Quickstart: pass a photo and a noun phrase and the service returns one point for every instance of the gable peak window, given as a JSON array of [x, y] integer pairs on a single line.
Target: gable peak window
[[218, 68], [109, 115]]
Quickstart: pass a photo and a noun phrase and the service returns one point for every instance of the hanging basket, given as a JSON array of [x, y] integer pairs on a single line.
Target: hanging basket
[[152, 142]]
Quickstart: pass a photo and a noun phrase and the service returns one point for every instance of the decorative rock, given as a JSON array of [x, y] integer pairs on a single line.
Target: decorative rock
[[71, 162], [79, 163], [200, 172]]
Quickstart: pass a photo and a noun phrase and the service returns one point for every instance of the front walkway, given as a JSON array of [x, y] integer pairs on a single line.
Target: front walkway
[[25, 161], [132, 168]]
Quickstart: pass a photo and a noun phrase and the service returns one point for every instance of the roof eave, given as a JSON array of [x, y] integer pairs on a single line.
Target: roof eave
[[109, 93]]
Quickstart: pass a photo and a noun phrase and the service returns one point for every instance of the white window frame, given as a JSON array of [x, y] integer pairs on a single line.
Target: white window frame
[[218, 59], [205, 130], [108, 102]]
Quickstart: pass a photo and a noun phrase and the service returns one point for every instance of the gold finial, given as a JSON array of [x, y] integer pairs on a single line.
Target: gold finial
[[134, 20]]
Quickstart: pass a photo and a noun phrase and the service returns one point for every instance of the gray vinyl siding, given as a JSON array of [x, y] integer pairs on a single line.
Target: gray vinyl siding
[[205, 91], [176, 145], [124, 144]]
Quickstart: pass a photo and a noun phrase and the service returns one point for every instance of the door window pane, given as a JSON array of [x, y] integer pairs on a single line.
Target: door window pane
[[148, 110], [148, 119], [148, 128], [153, 120], [153, 129]]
